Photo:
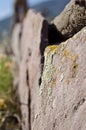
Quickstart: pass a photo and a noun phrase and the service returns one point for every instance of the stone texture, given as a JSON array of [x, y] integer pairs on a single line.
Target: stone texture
[[63, 87], [55, 101], [72, 19], [16, 43], [34, 39]]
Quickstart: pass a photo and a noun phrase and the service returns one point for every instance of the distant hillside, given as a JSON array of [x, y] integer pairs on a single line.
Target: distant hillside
[[52, 8], [5, 27], [49, 9]]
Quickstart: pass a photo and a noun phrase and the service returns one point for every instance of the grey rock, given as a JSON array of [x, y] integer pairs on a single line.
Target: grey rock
[[63, 87], [34, 39], [72, 19], [52, 89]]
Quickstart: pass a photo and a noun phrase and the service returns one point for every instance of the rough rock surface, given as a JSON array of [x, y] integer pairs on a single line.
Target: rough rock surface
[[63, 87], [72, 19], [34, 39], [55, 101]]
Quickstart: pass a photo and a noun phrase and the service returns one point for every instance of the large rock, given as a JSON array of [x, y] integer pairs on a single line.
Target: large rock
[[33, 42], [63, 87], [60, 99], [72, 19]]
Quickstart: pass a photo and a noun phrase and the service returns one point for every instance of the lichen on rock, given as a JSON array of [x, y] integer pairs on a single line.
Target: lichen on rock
[[49, 68]]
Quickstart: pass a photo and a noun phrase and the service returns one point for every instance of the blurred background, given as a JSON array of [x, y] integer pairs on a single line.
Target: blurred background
[[49, 8]]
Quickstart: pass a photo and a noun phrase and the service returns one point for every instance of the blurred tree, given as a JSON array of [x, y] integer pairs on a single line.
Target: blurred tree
[[20, 10]]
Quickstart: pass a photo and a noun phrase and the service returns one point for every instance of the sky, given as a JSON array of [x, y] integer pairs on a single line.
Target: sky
[[6, 7]]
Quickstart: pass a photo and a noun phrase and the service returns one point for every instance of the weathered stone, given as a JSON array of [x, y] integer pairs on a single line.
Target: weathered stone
[[33, 42], [16, 43], [63, 87], [72, 19], [60, 99]]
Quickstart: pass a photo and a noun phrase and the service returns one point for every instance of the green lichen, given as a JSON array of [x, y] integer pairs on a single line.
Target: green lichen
[[49, 69], [84, 30]]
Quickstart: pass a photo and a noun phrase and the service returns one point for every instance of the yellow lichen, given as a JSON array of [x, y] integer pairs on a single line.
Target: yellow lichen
[[69, 55], [51, 49], [72, 58]]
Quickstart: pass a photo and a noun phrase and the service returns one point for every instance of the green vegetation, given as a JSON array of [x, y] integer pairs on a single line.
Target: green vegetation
[[8, 105], [7, 93], [6, 79]]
